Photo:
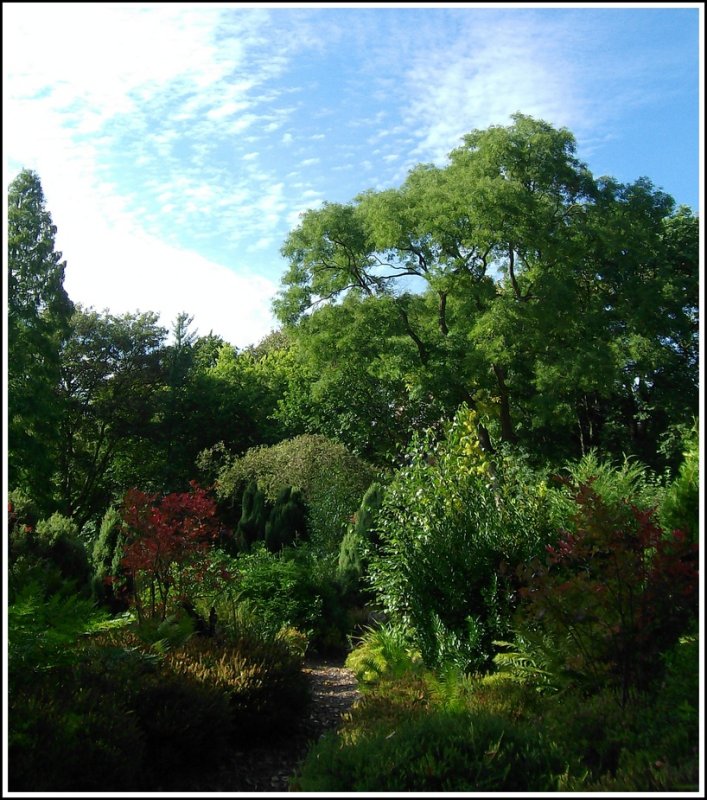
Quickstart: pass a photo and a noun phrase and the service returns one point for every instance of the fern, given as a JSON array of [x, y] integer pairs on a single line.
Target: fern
[[533, 657], [42, 631]]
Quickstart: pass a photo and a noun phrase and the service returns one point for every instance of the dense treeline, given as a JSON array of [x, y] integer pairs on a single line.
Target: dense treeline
[[476, 425]]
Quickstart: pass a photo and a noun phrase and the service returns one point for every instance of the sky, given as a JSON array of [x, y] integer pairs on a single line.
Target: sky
[[178, 143]]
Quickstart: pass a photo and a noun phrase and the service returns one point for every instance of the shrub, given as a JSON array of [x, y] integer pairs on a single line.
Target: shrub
[[332, 481], [452, 525], [277, 588], [165, 540], [52, 549], [649, 744], [680, 507], [265, 687], [287, 520], [616, 589], [359, 541], [187, 723], [110, 581], [251, 525], [70, 729], [436, 752], [383, 651], [64, 736], [614, 484], [294, 587]]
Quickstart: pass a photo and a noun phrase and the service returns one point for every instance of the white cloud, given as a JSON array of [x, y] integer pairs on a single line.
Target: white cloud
[[308, 162], [112, 265], [226, 110], [492, 71]]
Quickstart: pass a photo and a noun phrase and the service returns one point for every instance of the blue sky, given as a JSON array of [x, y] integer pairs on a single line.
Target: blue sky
[[177, 143]]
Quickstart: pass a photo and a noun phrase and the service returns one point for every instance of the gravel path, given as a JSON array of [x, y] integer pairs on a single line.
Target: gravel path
[[268, 769]]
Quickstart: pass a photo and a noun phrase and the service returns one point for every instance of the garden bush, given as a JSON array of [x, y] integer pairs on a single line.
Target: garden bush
[[66, 736], [51, 552], [680, 505], [452, 528], [265, 688], [187, 724], [382, 651], [440, 751], [71, 721], [332, 481], [615, 590]]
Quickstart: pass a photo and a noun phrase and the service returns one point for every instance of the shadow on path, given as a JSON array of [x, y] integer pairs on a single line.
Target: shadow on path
[[269, 768]]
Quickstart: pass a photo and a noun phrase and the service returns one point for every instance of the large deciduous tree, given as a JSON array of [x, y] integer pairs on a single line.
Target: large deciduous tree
[[38, 321], [561, 306]]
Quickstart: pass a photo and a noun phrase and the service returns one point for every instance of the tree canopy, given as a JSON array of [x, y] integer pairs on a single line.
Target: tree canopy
[[558, 304]]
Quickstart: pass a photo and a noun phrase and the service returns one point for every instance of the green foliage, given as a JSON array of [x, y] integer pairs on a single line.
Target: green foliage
[[111, 381], [22, 509], [452, 525], [254, 514], [651, 744], [513, 227], [68, 736], [106, 556], [262, 681], [438, 752], [680, 507], [52, 552], [37, 322], [616, 484], [330, 478], [42, 630], [287, 521], [359, 541], [187, 722], [615, 590], [535, 657], [350, 567], [278, 588], [382, 651]]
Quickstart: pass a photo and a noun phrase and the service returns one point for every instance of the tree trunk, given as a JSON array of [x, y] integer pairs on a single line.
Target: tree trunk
[[508, 433]]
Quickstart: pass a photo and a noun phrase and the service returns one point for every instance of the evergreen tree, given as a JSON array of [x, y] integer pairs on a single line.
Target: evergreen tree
[[360, 538], [287, 520], [39, 311], [254, 515]]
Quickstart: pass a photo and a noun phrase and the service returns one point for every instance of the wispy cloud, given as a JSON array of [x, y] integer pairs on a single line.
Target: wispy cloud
[[492, 71]]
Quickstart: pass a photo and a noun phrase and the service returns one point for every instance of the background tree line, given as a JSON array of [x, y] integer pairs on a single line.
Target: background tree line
[[560, 306]]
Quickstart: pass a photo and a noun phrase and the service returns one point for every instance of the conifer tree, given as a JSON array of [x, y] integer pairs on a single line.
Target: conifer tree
[[39, 312]]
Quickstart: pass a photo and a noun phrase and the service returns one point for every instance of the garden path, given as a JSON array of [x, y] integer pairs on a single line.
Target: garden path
[[269, 768]]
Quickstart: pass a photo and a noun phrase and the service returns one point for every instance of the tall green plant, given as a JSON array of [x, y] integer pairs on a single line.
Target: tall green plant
[[680, 507], [359, 539], [451, 527], [287, 521]]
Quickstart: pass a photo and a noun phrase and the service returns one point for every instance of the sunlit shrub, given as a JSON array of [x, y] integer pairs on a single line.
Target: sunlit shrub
[[382, 651], [452, 526], [263, 681], [680, 506]]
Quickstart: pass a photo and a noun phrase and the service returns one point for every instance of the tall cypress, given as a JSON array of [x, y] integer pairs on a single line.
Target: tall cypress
[[39, 312]]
